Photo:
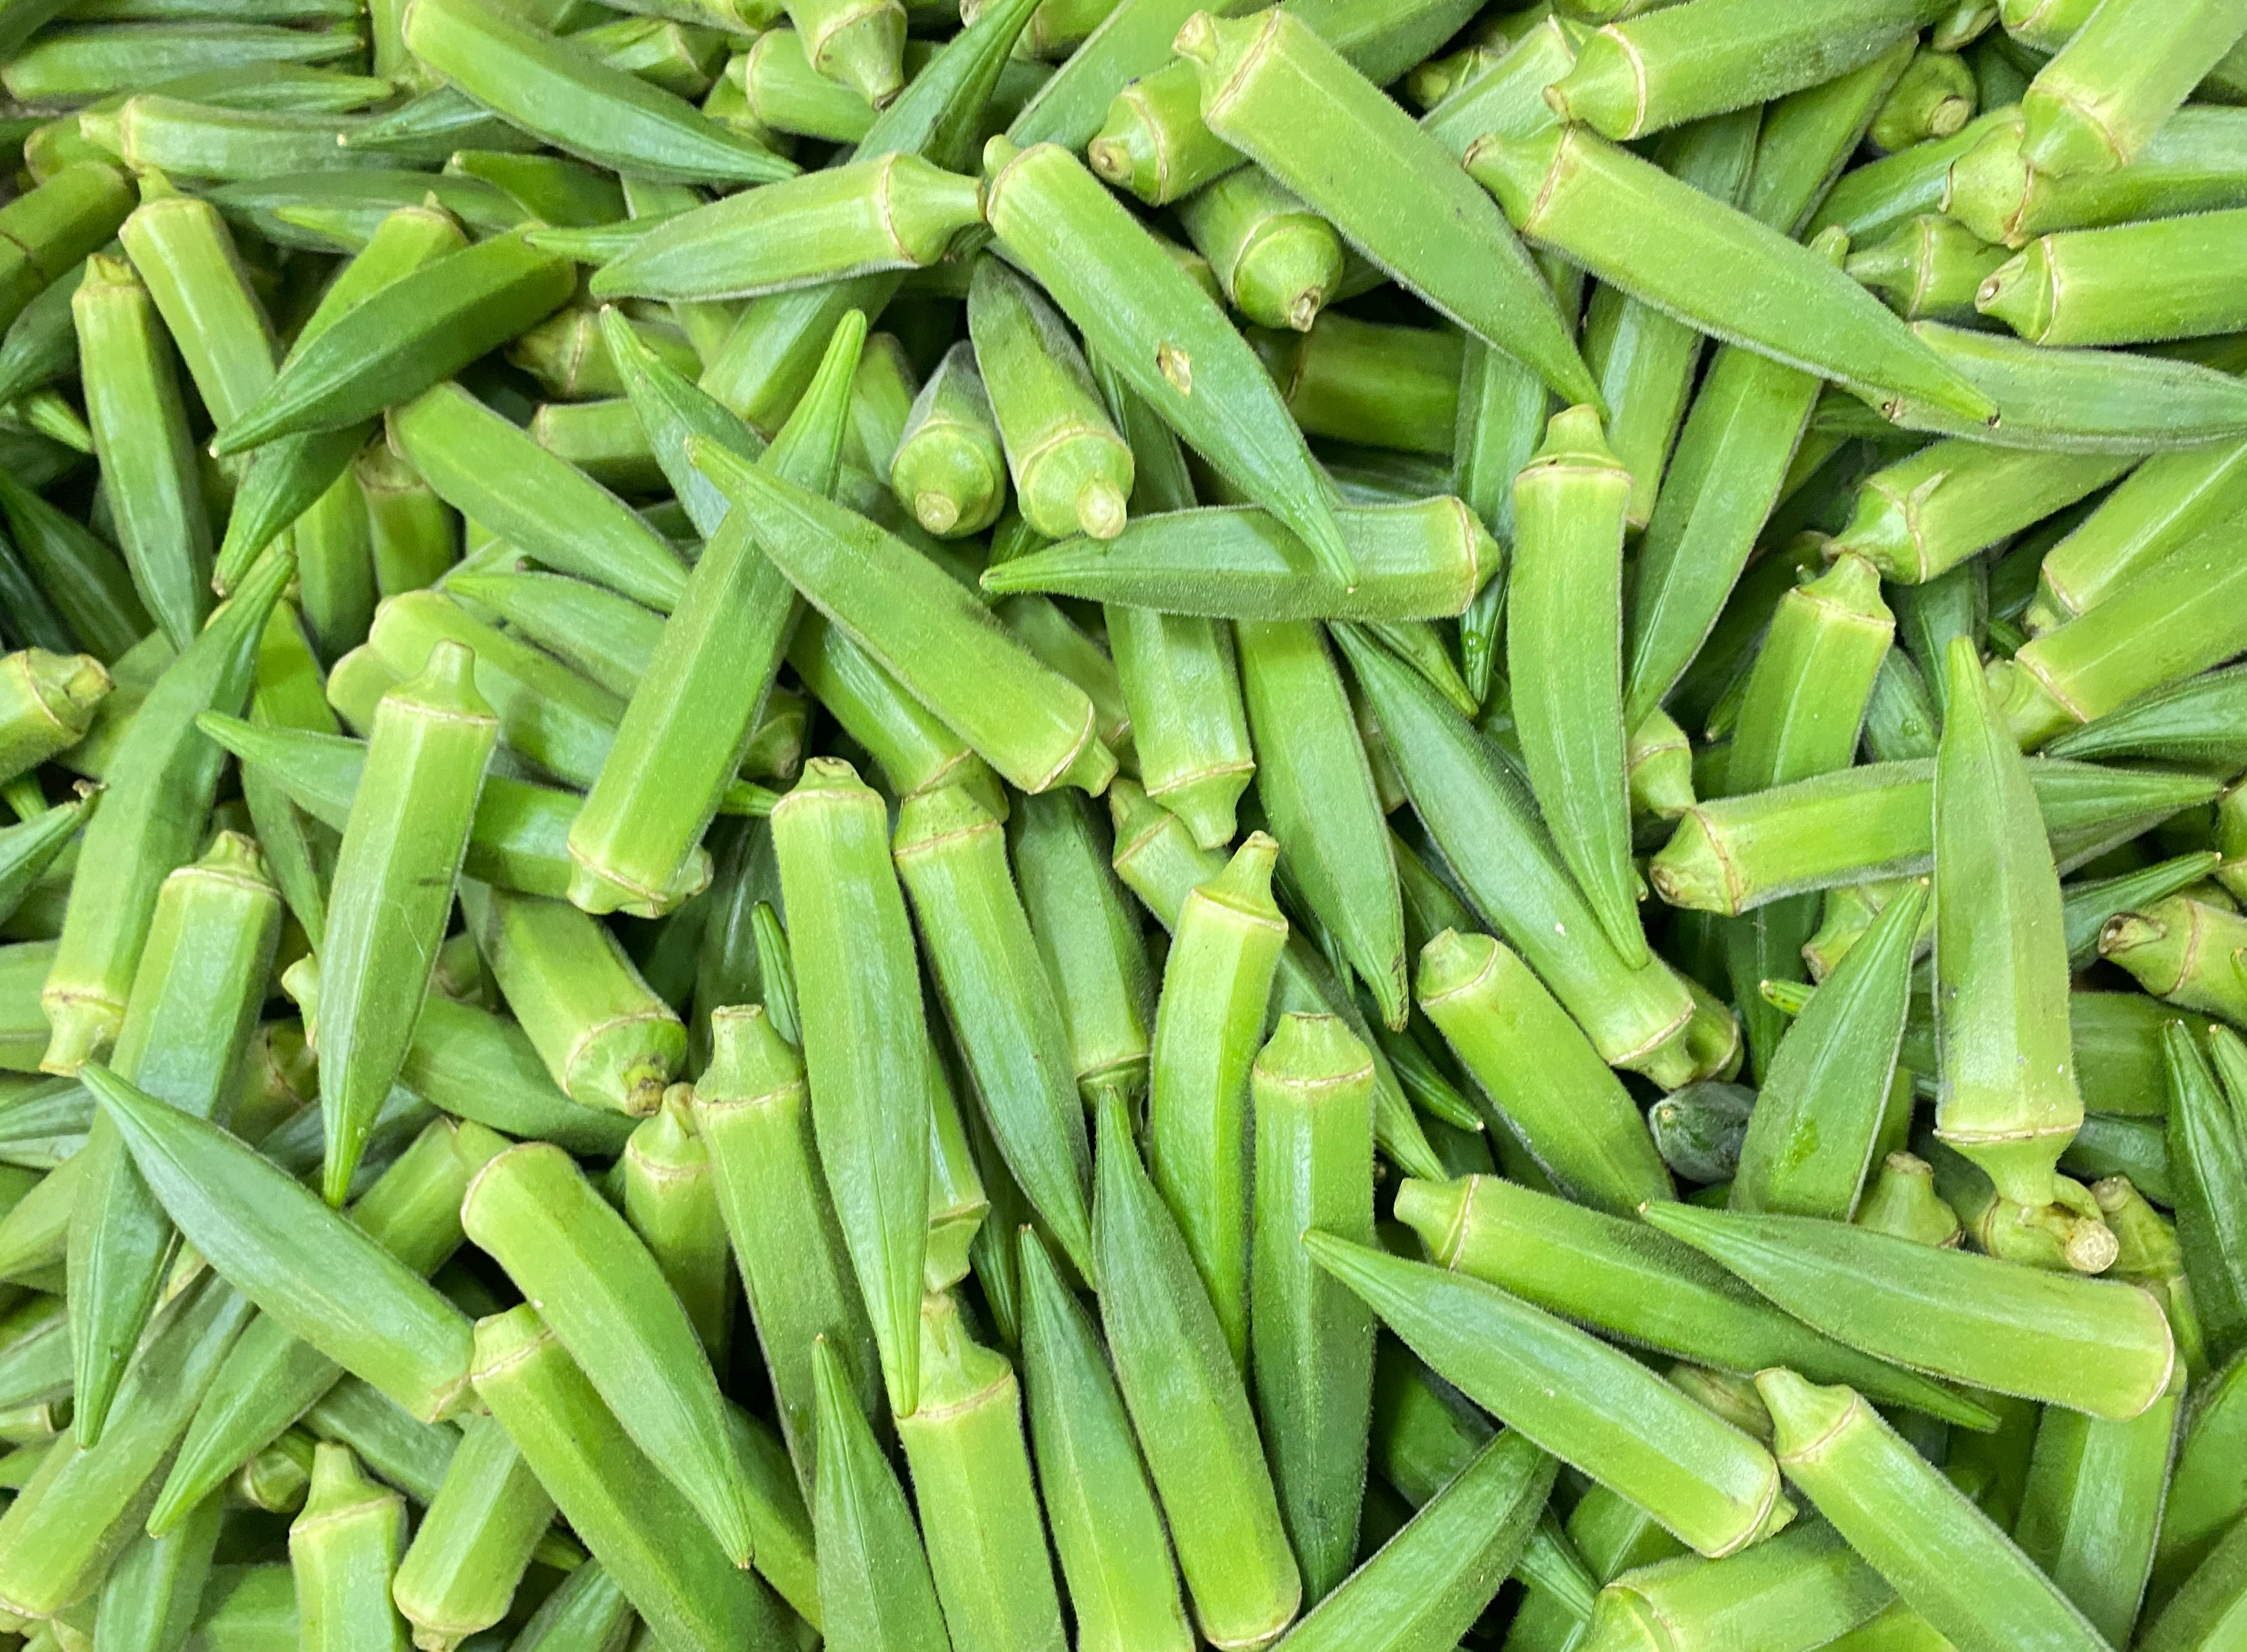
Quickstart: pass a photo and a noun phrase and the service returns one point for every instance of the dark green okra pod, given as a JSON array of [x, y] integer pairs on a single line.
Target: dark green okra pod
[[874, 1590]]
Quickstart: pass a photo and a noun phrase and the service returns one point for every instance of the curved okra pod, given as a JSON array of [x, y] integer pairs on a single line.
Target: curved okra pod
[[460, 1574], [1973, 1319], [1188, 1404], [1582, 1401], [1283, 97], [865, 1044], [1799, 1589], [309, 1269], [408, 336], [1430, 1583], [561, 91], [874, 1590], [750, 1107], [392, 899], [1607, 1272], [1564, 659], [1722, 271], [2118, 79], [1541, 1073], [1810, 1139], [2160, 278], [1216, 983], [606, 1039], [1160, 334], [151, 821], [951, 857], [949, 468], [606, 1299], [2207, 1158], [1035, 726], [1312, 1342], [194, 1002], [687, 724], [1479, 815], [625, 1508], [1656, 70], [1089, 939], [670, 1198], [1942, 1554], [141, 440], [2008, 1099], [1275, 260], [1115, 1554], [971, 1470], [1317, 790], [893, 212]]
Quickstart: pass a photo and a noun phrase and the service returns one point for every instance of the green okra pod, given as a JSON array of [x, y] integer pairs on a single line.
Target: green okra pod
[[1893, 1507], [639, 1528], [1929, 269], [1571, 1112], [154, 1594], [949, 468], [1275, 261], [2127, 283], [194, 999], [1216, 983], [1927, 514], [468, 1556], [1438, 1573], [2168, 500], [606, 1299], [2190, 164], [671, 1200], [1564, 658], [1609, 1272], [1484, 823], [1699, 1130], [1000, 1003], [1973, 1319], [300, 1261], [86, 581], [896, 211], [1035, 726], [914, 751], [343, 1550], [971, 1470], [865, 1046], [1582, 1401], [2208, 1152], [1933, 98], [1312, 1088], [151, 821], [1778, 1595], [1115, 1554], [1365, 382], [606, 1039], [1188, 1404], [751, 1108], [392, 898], [1726, 273], [2094, 106], [687, 724], [2085, 401], [2207, 1605], [956, 1198], [141, 440], [874, 1590], [1900, 1200], [1272, 89], [1424, 560], [47, 702]]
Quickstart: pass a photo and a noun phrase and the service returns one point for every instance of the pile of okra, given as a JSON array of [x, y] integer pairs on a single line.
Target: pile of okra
[[999, 825]]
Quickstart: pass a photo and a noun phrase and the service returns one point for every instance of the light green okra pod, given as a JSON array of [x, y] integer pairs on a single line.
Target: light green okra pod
[[1312, 1090], [2101, 98], [1216, 983], [949, 468], [865, 1047], [343, 1550], [1927, 514], [671, 1200], [468, 1554], [1275, 260], [1780, 1596], [1188, 1404], [971, 1470], [194, 1000], [1916, 1528], [875, 1591], [2166, 502], [154, 1595], [47, 702]]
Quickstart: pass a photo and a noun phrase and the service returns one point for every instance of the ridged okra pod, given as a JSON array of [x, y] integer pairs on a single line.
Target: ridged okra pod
[[949, 468], [874, 1590], [1283, 97], [47, 702], [1564, 656], [1783, 1594], [970, 1469], [392, 898], [1580, 1399], [2127, 283], [1725, 273], [1893, 1506], [2118, 79], [1275, 260], [1209, 1022], [194, 1000], [865, 1046], [951, 857], [606, 1301], [1115, 1554], [1189, 1404], [1312, 1345], [344, 1549], [460, 1574], [670, 1199], [1926, 514]]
